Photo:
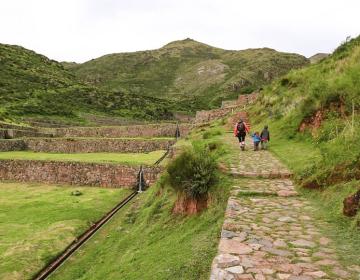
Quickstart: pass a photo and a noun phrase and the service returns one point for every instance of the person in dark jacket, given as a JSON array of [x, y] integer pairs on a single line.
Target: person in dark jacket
[[240, 130], [265, 137]]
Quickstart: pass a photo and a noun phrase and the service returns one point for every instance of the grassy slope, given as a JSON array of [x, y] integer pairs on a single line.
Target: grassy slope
[[118, 158], [33, 85], [196, 74], [146, 241], [38, 221]]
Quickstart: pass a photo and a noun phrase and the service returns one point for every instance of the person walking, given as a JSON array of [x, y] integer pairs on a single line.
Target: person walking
[[240, 131], [265, 137]]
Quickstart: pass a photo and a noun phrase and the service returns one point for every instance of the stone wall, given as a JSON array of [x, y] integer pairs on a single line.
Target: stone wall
[[68, 145], [210, 115], [65, 145], [245, 99], [151, 130], [15, 133], [75, 173], [12, 145]]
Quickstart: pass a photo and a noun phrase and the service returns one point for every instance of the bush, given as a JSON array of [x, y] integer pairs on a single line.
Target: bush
[[193, 172]]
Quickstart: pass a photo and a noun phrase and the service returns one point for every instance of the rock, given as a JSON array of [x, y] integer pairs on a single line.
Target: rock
[[277, 252], [326, 262], [286, 219], [234, 247], [351, 204], [324, 241], [287, 193], [341, 273], [283, 276], [235, 269], [228, 234], [280, 243], [259, 277], [316, 274], [227, 260], [244, 277], [303, 243], [302, 277]]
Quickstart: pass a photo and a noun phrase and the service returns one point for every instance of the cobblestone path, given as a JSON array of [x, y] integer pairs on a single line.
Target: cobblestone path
[[269, 231]]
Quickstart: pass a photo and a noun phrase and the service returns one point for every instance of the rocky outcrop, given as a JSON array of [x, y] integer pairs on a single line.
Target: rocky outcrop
[[351, 204]]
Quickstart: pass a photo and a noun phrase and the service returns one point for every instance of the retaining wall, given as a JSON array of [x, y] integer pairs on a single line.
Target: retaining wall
[[75, 173], [151, 130], [15, 133], [68, 145], [210, 115]]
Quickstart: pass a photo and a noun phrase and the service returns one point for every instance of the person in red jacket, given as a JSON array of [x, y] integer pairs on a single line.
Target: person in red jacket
[[240, 130]]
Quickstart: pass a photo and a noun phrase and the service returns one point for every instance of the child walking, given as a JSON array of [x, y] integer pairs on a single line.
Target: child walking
[[265, 137], [256, 139]]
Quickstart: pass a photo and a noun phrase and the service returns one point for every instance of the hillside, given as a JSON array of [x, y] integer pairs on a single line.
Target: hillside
[[193, 74], [317, 57], [31, 85], [314, 113]]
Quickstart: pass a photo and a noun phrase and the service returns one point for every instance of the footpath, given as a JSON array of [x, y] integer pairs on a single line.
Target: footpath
[[269, 231]]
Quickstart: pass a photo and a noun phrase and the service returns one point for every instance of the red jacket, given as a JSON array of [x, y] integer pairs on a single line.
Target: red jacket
[[247, 128]]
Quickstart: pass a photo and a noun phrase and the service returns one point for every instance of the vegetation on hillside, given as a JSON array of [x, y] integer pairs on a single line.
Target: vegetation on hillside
[[195, 75], [314, 114], [32, 85]]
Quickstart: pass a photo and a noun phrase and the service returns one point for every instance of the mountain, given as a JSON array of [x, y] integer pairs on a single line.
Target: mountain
[[193, 74], [317, 57], [33, 86]]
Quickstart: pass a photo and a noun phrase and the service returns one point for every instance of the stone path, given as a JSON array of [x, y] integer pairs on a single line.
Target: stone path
[[269, 231]]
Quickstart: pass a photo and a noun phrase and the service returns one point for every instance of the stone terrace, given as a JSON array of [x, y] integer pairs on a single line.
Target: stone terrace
[[269, 231]]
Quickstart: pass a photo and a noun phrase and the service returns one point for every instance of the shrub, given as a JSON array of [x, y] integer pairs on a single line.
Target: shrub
[[193, 172]]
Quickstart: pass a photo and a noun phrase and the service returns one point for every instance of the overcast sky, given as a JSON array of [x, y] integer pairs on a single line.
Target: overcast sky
[[79, 30]]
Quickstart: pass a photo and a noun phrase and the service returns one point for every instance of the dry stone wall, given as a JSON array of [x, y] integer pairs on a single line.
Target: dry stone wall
[[75, 173], [151, 130], [97, 145], [68, 145], [12, 145], [210, 115]]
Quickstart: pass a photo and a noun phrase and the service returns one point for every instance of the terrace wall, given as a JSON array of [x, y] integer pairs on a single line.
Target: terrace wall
[[68, 145], [75, 173], [210, 115], [151, 130]]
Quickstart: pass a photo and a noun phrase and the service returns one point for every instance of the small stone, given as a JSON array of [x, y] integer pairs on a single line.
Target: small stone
[[303, 243], [286, 219], [227, 260], [277, 252], [259, 277], [268, 271], [227, 234], [302, 277], [324, 241], [340, 272], [235, 269], [326, 262], [234, 247], [280, 243], [283, 276], [316, 274], [244, 277], [286, 193]]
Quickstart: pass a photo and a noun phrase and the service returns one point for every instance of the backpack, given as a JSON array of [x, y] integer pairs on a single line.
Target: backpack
[[241, 127]]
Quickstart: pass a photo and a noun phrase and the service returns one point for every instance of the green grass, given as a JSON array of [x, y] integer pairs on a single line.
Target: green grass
[[146, 241], [38, 221], [115, 158]]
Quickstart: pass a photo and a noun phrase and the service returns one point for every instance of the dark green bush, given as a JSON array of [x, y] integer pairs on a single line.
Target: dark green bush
[[193, 172]]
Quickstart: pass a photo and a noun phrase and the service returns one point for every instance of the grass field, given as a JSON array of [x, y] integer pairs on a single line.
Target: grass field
[[39, 221], [116, 158]]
